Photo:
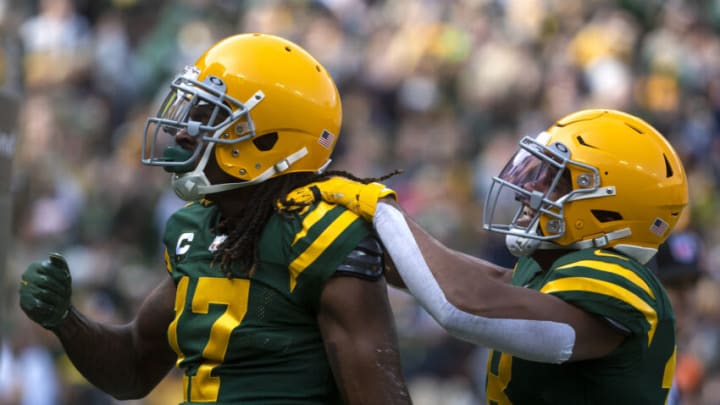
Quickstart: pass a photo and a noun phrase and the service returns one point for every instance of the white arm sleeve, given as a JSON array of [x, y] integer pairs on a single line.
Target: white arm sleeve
[[542, 341]]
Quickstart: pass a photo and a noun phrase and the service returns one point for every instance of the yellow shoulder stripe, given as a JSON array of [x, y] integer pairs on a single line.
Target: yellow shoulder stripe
[[180, 297], [306, 258], [669, 370], [616, 269], [168, 266], [312, 218], [605, 288]]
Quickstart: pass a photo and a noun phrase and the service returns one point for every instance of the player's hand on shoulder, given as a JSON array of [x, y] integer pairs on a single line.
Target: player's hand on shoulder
[[45, 290], [358, 197]]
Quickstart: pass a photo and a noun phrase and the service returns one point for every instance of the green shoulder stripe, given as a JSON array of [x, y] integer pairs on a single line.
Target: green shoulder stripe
[[321, 228]]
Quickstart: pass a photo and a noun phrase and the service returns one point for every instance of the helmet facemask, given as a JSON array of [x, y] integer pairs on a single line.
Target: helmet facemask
[[206, 112], [526, 201]]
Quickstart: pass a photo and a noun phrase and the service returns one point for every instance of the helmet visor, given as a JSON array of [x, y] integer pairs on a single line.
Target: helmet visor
[[535, 181]]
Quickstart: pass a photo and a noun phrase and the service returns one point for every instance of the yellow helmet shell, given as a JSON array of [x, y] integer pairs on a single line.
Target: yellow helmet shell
[[631, 156], [301, 106]]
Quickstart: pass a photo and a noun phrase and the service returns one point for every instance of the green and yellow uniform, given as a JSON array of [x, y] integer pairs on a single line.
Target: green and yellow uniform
[[619, 290], [255, 340]]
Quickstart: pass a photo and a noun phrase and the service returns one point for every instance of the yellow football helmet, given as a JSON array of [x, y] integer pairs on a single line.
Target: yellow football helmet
[[268, 108], [596, 178]]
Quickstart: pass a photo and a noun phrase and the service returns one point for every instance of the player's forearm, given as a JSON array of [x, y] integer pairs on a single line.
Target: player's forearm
[[478, 320], [107, 356]]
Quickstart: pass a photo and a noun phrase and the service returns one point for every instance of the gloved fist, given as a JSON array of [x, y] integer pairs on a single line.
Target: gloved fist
[[358, 197], [45, 290]]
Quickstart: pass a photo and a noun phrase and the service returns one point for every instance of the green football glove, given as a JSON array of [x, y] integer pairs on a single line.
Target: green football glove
[[45, 290], [358, 197]]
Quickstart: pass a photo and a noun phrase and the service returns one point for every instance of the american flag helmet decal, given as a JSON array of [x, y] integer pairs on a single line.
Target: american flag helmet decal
[[659, 227], [326, 139]]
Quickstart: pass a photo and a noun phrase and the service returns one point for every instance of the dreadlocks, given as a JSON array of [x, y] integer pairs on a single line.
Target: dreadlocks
[[243, 232]]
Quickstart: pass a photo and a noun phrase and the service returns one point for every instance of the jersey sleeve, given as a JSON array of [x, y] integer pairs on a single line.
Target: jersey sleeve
[[610, 286]]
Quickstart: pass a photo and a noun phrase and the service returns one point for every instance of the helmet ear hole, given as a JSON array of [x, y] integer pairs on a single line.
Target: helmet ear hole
[[266, 142], [606, 216]]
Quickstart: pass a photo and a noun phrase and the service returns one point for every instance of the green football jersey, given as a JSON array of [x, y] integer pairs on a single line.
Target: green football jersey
[[627, 294], [256, 340]]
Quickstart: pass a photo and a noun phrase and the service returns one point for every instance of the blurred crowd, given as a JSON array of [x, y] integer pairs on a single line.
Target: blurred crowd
[[441, 89]]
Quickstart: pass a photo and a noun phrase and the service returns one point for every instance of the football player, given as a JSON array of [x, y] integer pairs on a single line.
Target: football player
[[259, 306], [580, 319]]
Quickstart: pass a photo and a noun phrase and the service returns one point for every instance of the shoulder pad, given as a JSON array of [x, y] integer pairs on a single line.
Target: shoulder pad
[[365, 261]]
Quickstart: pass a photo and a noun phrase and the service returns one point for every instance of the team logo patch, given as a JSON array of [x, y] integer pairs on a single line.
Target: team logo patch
[[326, 139], [659, 227], [216, 242]]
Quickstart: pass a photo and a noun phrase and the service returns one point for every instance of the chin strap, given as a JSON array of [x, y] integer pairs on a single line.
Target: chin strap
[[195, 185], [639, 253], [524, 246], [520, 245], [598, 242]]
